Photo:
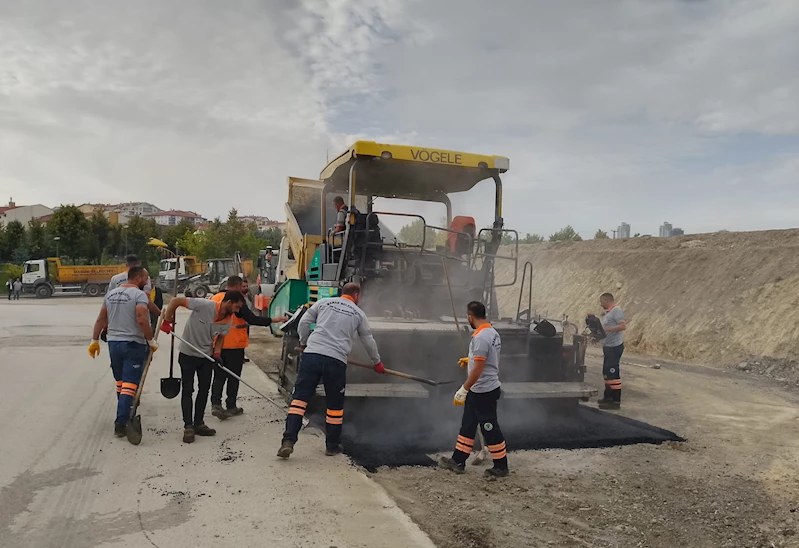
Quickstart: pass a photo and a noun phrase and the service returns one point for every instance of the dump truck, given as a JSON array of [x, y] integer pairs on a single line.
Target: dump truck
[[189, 266], [45, 277], [413, 292]]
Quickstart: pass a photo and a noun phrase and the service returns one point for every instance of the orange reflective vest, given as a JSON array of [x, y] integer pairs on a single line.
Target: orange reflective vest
[[237, 336]]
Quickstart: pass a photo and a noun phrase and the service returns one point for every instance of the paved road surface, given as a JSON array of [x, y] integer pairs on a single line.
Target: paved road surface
[[66, 482]]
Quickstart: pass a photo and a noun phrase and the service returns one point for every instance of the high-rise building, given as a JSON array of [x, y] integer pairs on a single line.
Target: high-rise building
[[623, 231], [677, 231], [665, 230]]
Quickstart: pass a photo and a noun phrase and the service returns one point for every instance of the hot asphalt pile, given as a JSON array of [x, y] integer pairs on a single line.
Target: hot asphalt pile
[[397, 433]]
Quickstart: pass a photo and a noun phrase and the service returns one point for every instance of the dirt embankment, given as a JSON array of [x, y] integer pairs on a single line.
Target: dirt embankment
[[708, 298]]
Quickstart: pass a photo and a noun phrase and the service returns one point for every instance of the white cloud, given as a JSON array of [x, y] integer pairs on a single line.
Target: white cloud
[[610, 111]]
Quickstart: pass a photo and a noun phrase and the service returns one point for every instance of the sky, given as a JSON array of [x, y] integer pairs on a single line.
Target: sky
[[641, 111]]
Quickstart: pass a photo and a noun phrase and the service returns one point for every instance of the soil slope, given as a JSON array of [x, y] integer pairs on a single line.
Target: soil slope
[[708, 298]]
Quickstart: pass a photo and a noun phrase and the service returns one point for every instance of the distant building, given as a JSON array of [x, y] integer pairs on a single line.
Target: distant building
[[136, 209], [665, 230], [677, 232], [174, 217], [623, 231], [24, 214]]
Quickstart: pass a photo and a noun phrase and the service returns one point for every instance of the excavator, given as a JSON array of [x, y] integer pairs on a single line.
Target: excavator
[[415, 293]]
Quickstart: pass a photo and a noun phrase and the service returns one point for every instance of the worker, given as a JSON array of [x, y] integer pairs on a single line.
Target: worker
[[461, 239], [479, 396], [119, 279], [205, 329], [10, 288], [17, 288], [341, 213], [124, 315], [324, 358], [612, 348], [232, 354]]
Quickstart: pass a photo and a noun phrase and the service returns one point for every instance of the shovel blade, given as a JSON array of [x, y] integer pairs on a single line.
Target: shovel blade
[[133, 430], [170, 387]]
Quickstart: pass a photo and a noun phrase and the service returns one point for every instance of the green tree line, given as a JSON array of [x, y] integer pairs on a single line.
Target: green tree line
[[78, 240]]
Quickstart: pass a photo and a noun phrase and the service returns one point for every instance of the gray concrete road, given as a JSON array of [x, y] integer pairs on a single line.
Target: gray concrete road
[[66, 482]]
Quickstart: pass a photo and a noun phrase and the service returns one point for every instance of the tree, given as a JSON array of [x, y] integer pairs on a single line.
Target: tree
[[137, 234], [99, 237], [172, 234], [270, 236], [601, 235], [71, 227], [15, 238], [567, 234], [532, 239], [411, 234], [36, 240]]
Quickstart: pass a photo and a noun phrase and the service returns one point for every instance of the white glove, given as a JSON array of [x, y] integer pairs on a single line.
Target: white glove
[[460, 396], [153, 344]]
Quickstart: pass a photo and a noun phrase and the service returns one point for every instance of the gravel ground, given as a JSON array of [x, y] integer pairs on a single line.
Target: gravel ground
[[732, 483]]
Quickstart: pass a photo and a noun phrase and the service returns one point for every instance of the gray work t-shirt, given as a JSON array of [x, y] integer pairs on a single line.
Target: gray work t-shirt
[[486, 344], [121, 303], [122, 278], [612, 318], [201, 330]]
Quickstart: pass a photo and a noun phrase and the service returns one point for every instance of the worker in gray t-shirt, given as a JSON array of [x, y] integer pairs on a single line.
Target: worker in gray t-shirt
[[324, 359], [479, 396], [130, 337], [612, 348], [205, 329]]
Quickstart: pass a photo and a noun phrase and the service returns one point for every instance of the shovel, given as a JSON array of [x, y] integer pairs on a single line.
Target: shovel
[[403, 375], [133, 426], [305, 420], [170, 386]]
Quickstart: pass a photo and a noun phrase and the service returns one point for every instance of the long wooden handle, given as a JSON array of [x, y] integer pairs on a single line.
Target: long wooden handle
[[396, 373], [139, 388]]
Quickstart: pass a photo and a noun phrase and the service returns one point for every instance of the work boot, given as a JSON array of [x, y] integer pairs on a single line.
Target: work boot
[[286, 449], [203, 430], [188, 435], [119, 430], [603, 401], [610, 405], [219, 412], [234, 411], [334, 450], [448, 464], [496, 472]]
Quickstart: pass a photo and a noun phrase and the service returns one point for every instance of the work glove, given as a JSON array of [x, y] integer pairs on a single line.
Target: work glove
[[463, 363], [94, 348], [460, 396], [379, 368], [153, 345], [167, 327]]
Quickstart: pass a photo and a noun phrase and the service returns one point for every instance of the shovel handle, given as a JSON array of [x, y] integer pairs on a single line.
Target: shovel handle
[[396, 373], [137, 396]]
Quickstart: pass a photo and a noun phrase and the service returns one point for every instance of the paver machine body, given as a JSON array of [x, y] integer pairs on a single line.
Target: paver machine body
[[405, 287]]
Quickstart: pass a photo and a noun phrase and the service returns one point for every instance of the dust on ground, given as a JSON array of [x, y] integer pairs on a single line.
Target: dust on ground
[[732, 483]]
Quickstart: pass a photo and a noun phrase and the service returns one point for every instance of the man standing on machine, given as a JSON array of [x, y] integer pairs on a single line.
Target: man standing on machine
[[233, 352], [205, 329], [324, 358], [124, 316], [479, 396]]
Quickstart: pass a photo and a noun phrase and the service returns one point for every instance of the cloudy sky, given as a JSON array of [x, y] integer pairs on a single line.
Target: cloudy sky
[[610, 110]]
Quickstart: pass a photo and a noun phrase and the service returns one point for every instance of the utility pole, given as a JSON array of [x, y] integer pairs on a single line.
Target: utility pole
[[614, 234]]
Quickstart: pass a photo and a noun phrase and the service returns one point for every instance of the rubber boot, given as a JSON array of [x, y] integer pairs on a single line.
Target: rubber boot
[[448, 464], [286, 449]]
